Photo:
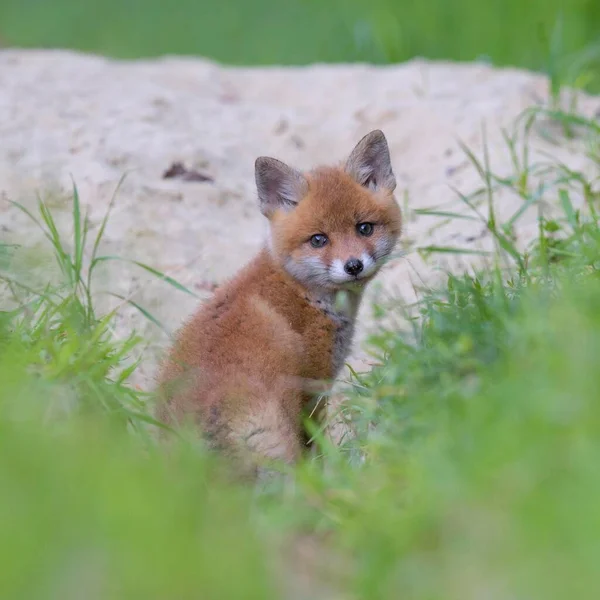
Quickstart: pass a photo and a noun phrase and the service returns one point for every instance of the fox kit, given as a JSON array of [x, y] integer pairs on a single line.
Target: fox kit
[[241, 369]]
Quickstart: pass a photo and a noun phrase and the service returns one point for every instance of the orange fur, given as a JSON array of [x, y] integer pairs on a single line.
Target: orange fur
[[241, 368]]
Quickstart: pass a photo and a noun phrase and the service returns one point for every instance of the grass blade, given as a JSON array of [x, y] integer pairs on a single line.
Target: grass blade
[[142, 310], [425, 212], [77, 235], [451, 250], [567, 206], [151, 270]]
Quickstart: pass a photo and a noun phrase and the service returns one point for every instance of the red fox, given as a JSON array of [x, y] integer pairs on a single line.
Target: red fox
[[241, 369]]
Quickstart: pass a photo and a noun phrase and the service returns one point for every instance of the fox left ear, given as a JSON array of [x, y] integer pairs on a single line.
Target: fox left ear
[[370, 164], [279, 186]]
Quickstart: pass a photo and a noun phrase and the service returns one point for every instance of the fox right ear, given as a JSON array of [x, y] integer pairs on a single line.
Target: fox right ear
[[279, 186], [369, 163]]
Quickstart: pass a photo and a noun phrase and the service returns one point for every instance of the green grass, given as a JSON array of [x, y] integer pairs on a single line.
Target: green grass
[[86, 513], [538, 34], [472, 471]]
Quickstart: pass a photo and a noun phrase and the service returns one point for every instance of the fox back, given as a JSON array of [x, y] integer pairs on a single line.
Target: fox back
[[249, 363]]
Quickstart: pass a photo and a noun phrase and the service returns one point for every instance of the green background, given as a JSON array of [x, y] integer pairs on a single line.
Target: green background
[[516, 32]]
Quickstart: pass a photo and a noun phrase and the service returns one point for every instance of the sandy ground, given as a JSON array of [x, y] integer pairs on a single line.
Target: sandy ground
[[66, 115]]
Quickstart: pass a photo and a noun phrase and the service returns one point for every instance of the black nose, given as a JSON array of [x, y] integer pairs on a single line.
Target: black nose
[[353, 266]]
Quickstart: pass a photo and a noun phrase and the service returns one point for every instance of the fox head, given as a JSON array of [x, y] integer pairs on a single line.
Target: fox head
[[333, 227]]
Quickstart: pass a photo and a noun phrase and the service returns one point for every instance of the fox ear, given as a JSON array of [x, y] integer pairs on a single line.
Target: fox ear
[[279, 186], [370, 164]]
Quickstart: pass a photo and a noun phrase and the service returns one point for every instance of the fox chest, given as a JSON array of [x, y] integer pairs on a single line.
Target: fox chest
[[341, 344], [331, 342]]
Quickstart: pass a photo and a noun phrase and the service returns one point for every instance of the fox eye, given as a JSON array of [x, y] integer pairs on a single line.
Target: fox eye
[[365, 229], [318, 240]]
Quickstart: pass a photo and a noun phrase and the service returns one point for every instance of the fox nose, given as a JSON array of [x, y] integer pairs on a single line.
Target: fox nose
[[353, 266]]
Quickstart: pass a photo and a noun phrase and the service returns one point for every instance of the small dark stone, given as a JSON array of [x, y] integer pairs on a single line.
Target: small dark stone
[[178, 171]]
